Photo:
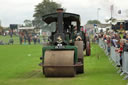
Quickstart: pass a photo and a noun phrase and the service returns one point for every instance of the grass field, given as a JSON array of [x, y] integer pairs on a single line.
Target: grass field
[[19, 66]]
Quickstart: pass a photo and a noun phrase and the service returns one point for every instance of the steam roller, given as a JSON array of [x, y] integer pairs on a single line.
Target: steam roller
[[63, 54]]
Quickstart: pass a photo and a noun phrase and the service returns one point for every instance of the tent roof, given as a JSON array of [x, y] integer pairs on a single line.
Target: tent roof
[[25, 28]]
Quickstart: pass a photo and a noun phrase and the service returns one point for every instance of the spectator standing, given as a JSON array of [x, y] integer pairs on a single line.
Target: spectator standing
[[10, 33], [21, 39], [25, 38], [29, 39], [108, 44], [120, 50], [35, 39], [38, 40]]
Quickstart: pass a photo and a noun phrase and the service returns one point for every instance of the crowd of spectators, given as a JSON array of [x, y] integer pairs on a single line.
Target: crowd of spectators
[[24, 38], [111, 38]]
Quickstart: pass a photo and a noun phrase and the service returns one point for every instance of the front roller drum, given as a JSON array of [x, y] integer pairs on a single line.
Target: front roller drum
[[59, 64]]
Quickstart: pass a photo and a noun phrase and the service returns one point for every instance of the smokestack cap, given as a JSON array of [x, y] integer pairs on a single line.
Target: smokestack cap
[[60, 10]]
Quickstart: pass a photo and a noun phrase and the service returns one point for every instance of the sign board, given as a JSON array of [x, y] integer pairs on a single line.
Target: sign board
[[13, 26]]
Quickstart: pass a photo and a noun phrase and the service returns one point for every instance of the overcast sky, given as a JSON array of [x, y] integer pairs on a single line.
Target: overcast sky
[[16, 11]]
